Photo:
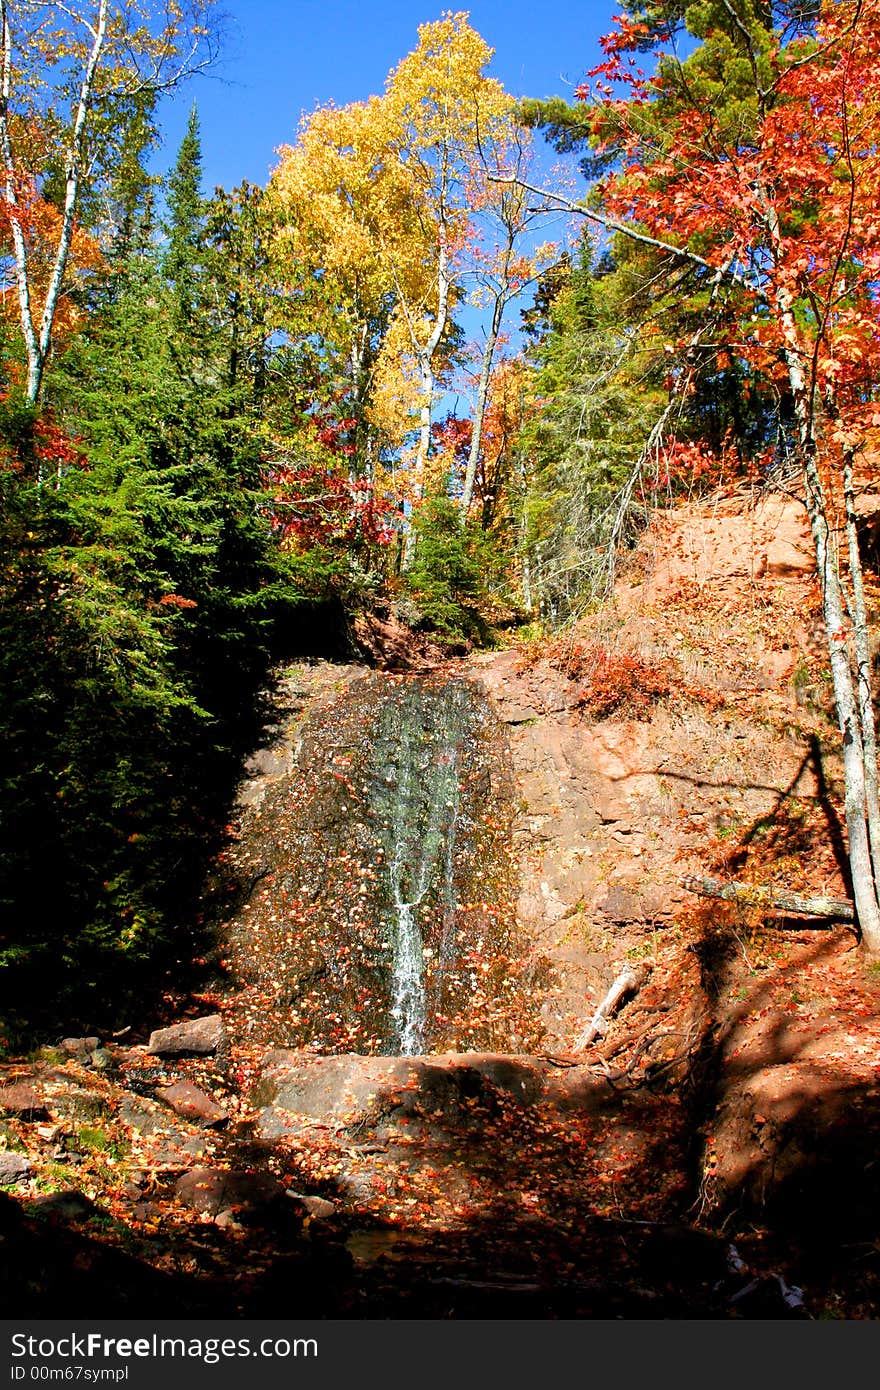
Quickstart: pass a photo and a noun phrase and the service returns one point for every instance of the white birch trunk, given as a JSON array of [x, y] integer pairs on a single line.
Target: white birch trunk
[[470, 476], [834, 612], [835, 617], [426, 355], [38, 343], [19, 245], [862, 643], [426, 362]]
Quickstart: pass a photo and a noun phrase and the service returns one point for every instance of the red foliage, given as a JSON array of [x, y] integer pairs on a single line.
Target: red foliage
[[45, 448], [786, 208], [684, 463], [333, 434], [55, 448], [453, 436], [175, 601], [313, 505], [620, 682]]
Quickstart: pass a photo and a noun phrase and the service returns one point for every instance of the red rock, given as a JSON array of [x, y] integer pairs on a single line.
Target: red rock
[[19, 1098], [190, 1101]]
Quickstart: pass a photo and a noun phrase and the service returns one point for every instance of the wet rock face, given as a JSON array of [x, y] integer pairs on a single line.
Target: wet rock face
[[381, 907]]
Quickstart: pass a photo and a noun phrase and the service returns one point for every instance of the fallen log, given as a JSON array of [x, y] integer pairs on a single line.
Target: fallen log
[[628, 982], [779, 899]]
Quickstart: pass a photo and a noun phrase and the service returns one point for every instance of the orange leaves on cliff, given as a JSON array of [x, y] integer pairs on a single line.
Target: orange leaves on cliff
[[690, 461]]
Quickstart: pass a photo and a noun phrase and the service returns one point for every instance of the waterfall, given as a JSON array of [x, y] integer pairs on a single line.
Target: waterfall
[[420, 735]]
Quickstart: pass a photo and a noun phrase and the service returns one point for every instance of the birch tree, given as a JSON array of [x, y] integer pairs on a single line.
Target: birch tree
[[68, 73], [442, 104]]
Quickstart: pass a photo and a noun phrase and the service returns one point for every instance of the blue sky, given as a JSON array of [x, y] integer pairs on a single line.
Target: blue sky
[[283, 57]]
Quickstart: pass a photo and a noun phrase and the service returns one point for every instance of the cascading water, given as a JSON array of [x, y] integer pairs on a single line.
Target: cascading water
[[384, 920], [419, 740]]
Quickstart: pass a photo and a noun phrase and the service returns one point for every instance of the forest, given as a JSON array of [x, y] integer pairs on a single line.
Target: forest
[[415, 377]]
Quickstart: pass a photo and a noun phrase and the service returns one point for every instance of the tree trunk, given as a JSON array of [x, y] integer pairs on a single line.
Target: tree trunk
[[426, 362], [501, 295], [38, 345], [757, 895], [19, 246], [859, 616], [834, 606], [426, 356], [835, 617]]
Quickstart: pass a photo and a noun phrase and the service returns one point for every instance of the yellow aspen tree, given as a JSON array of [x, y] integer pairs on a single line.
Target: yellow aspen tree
[[441, 105], [348, 222]]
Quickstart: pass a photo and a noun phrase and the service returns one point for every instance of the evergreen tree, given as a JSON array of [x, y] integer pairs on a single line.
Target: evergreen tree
[[137, 612], [185, 251], [599, 379]]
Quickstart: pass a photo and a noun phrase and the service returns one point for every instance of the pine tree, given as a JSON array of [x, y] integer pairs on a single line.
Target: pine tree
[[185, 251]]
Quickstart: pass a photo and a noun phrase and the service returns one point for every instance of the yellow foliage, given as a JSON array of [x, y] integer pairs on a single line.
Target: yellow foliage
[[439, 94], [347, 208], [396, 395], [41, 223], [371, 207]]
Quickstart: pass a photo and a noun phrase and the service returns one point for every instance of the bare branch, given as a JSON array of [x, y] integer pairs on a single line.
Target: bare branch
[[612, 225]]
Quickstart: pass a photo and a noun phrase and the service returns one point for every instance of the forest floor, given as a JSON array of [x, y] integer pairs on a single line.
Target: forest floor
[[713, 1155]]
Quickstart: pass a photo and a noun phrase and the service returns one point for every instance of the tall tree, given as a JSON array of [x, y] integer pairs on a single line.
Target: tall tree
[[240, 296], [137, 602], [350, 238], [376, 202], [443, 105], [185, 250], [500, 261], [599, 376]]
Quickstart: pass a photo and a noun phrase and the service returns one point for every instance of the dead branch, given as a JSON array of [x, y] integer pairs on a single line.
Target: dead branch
[[777, 899], [629, 981]]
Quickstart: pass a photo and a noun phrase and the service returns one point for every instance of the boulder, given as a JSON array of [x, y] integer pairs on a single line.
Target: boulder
[[13, 1167], [21, 1099], [67, 1102], [167, 1139], [80, 1048], [199, 1036], [376, 1094], [70, 1205], [213, 1190]]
